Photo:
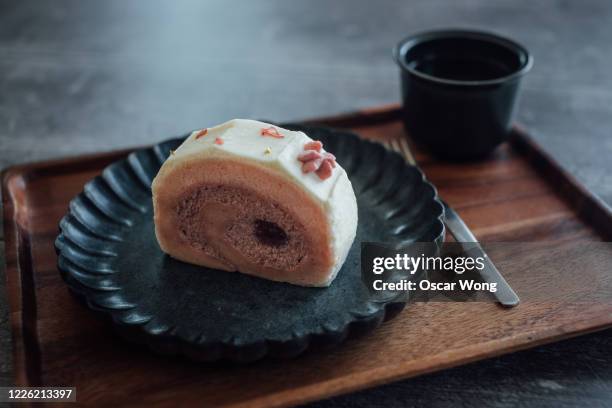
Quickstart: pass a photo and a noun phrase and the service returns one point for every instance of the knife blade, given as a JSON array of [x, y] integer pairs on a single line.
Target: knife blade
[[460, 231], [462, 234]]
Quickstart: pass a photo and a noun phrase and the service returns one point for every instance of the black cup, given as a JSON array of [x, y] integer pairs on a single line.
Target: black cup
[[460, 90]]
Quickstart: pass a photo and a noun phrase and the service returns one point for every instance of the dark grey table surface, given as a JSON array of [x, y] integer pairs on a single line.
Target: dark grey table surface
[[89, 76]]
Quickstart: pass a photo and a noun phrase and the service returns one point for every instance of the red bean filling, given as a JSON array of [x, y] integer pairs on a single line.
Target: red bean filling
[[269, 233]]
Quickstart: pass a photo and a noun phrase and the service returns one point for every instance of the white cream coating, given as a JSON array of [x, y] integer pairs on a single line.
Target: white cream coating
[[342, 215], [242, 138]]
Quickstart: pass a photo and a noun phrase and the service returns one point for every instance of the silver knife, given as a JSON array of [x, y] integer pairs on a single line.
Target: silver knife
[[457, 228]]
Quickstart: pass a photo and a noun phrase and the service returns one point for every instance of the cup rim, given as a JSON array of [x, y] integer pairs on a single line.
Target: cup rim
[[400, 50]]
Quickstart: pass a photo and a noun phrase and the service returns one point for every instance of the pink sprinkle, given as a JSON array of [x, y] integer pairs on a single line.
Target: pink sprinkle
[[309, 155], [272, 132], [218, 141], [331, 159], [312, 165], [314, 160], [201, 133], [314, 145], [325, 171]]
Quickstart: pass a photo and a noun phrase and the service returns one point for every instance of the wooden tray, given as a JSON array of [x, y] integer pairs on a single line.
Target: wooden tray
[[518, 195]]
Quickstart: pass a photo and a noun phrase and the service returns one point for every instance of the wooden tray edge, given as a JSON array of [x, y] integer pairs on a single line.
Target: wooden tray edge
[[589, 207], [13, 237]]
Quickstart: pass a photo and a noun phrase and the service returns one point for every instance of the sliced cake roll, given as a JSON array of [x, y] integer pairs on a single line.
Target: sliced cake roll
[[251, 197]]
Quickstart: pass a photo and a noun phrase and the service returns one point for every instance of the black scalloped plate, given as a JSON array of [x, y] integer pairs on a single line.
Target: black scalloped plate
[[108, 254]]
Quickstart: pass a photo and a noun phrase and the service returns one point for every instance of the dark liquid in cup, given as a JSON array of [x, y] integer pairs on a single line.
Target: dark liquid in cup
[[459, 90], [461, 68]]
